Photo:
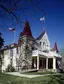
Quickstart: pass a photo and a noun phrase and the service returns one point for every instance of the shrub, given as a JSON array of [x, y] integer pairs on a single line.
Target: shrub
[[10, 68]]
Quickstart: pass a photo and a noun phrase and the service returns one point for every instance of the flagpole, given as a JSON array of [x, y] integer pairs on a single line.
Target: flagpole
[[14, 33], [14, 36], [43, 19]]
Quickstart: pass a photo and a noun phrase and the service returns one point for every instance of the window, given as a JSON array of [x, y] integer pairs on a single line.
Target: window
[[35, 48], [26, 47], [17, 50], [46, 51], [32, 48], [11, 53], [11, 56], [40, 43], [44, 44], [47, 45]]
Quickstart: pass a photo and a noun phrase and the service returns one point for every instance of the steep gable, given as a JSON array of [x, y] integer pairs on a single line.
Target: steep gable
[[44, 41], [27, 30], [55, 48]]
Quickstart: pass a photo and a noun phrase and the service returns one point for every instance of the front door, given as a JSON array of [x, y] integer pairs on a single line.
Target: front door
[[50, 63], [42, 63]]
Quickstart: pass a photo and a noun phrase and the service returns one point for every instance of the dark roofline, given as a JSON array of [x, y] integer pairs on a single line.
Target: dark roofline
[[41, 35], [13, 45]]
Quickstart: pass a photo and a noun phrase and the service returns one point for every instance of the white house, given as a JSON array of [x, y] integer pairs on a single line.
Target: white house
[[31, 53]]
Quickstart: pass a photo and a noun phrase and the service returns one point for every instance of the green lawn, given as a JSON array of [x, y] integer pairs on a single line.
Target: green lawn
[[39, 73], [8, 79]]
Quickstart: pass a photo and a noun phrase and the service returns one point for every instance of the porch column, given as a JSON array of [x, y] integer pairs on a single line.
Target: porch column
[[54, 62], [37, 62], [34, 63], [46, 63]]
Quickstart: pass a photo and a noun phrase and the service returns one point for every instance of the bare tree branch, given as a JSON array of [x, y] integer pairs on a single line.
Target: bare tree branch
[[9, 12], [37, 6], [15, 5]]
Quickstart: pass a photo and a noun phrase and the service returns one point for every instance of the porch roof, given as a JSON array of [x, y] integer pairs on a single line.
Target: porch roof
[[49, 54]]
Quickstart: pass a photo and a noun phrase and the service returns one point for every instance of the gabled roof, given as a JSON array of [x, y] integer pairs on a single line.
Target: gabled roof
[[41, 35]]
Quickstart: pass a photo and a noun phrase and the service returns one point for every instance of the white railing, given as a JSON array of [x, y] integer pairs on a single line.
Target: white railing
[[48, 54], [43, 53], [35, 53]]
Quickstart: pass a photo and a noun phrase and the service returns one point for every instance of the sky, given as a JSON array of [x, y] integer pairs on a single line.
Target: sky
[[54, 21]]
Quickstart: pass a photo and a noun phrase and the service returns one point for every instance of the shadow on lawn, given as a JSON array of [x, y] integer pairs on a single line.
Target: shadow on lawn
[[56, 79], [51, 79]]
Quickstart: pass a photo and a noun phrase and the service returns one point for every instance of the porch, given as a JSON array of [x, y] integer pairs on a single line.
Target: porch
[[45, 62]]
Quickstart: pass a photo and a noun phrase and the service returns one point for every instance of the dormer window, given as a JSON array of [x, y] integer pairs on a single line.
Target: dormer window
[[44, 44], [40, 43]]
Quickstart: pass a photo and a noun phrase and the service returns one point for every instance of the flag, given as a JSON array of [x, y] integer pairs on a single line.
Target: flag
[[12, 29], [42, 19]]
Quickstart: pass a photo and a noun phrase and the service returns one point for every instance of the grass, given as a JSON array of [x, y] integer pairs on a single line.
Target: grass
[[39, 73], [9, 79]]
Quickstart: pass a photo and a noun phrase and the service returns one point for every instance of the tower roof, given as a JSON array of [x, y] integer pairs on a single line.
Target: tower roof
[[27, 30], [55, 47]]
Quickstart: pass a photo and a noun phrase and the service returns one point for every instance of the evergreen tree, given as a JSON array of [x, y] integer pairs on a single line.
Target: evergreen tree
[[1, 41], [1, 44], [62, 54]]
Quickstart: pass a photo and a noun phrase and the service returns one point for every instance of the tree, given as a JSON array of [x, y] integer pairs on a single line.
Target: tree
[[62, 54], [1, 41], [1, 53], [9, 10]]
